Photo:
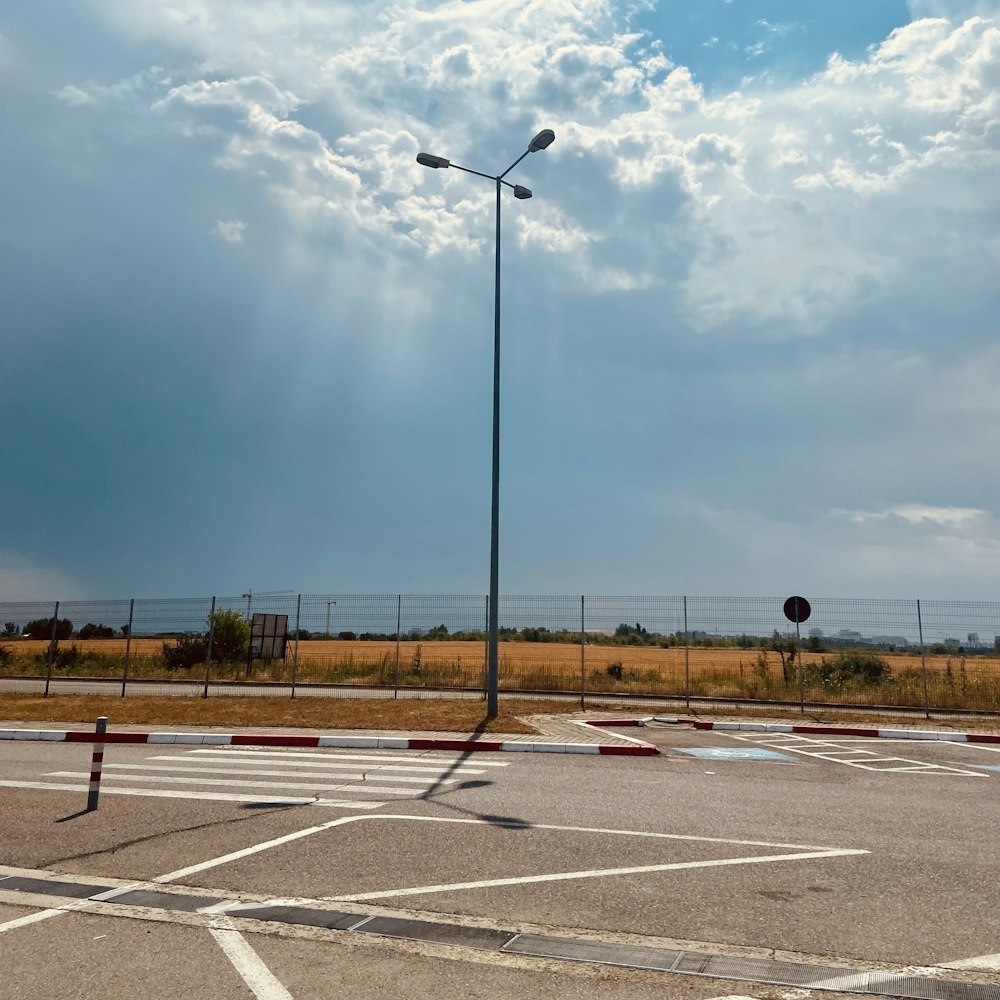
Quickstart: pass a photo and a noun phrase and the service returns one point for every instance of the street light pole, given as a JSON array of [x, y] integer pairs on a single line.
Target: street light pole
[[541, 141]]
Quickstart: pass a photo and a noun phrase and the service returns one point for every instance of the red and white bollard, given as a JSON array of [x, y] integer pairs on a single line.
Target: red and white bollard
[[96, 764]]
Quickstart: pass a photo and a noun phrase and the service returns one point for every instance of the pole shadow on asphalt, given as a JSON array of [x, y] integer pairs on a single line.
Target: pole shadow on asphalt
[[438, 790]]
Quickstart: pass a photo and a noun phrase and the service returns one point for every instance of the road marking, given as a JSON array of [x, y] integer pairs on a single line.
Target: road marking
[[984, 963], [593, 873], [864, 759], [172, 779], [377, 762], [430, 780], [256, 849], [31, 918], [232, 775], [262, 982], [170, 793]]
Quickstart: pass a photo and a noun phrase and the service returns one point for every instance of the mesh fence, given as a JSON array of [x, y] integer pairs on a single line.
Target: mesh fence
[[907, 653]]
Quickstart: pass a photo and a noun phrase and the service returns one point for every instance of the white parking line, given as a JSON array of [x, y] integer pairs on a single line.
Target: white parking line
[[259, 978], [831, 750], [593, 873], [984, 963]]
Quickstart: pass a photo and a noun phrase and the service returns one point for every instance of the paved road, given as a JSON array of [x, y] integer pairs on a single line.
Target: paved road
[[838, 851]]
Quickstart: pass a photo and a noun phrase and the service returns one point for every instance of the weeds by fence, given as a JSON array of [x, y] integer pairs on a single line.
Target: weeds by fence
[[928, 655]]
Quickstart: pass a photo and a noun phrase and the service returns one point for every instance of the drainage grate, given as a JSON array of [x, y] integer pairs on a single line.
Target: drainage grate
[[333, 920], [630, 956], [426, 930], [164, 900], [50, 887]]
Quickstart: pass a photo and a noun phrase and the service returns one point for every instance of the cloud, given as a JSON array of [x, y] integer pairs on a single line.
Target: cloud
[[22, 579], [917, 514], [74, 96], [230, 231]]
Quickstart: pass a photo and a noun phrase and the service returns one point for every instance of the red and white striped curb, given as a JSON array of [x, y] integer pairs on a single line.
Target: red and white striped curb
[[635, 747], [895, 734]]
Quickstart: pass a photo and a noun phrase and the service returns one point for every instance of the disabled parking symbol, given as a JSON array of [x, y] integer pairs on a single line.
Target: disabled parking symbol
[[735, 753]]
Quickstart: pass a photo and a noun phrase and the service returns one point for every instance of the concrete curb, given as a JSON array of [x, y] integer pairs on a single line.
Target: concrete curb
[[895, 734], [635, 747]]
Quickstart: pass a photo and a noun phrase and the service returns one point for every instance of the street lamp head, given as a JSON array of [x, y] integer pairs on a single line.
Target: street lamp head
[[521, 192], [427, 160], [543, 140]]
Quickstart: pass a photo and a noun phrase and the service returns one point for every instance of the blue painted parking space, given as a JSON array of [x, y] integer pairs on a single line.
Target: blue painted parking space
[[736, 753]]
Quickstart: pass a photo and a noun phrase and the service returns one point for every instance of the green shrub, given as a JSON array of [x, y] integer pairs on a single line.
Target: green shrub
[[851, 669], [187, 652], [231, 637]]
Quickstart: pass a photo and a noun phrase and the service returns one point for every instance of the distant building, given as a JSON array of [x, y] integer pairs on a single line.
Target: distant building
[[816, 633], [890, 640], [849, 635]]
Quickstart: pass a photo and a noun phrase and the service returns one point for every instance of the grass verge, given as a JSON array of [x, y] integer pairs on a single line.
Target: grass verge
[[431, 714]]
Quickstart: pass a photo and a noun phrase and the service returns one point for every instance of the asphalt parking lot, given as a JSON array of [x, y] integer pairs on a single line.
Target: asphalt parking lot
[[264, 872]]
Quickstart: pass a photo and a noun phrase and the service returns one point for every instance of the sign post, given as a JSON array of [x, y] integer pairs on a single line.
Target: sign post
[[797, 610]]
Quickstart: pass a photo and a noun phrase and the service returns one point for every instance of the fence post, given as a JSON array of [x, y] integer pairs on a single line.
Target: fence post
[[96, 764], [687, 665], [486, 654], [295, 654], [52, 647], [399, 618], [583, 655], [923, 662], [208, 651], [128, 644]]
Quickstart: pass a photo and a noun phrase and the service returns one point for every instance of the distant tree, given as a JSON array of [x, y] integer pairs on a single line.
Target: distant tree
[[348, 636], [438, 632], [10, 629], [124, 631], [786, 648], [41, 628], [814, 644], [92, 631]]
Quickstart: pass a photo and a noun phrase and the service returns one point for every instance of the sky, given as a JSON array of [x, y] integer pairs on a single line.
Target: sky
[[749, 340]]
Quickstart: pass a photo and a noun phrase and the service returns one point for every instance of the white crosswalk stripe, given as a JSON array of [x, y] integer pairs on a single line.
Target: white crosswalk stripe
[[364, 780]]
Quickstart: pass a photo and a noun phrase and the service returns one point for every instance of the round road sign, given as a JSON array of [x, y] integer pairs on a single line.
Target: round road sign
[[797, 609]]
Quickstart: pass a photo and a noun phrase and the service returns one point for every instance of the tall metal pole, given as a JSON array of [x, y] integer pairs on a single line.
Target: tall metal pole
[[583, 654], [798, 653], [492, 664]]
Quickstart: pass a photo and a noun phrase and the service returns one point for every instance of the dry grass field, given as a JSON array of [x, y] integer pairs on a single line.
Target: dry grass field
[[425, 714], [525, 657], [952, 682]]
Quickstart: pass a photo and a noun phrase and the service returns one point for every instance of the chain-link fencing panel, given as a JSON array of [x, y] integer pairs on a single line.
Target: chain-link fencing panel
[[348, 644], [634, 646], [539, 644], [962, 654]]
